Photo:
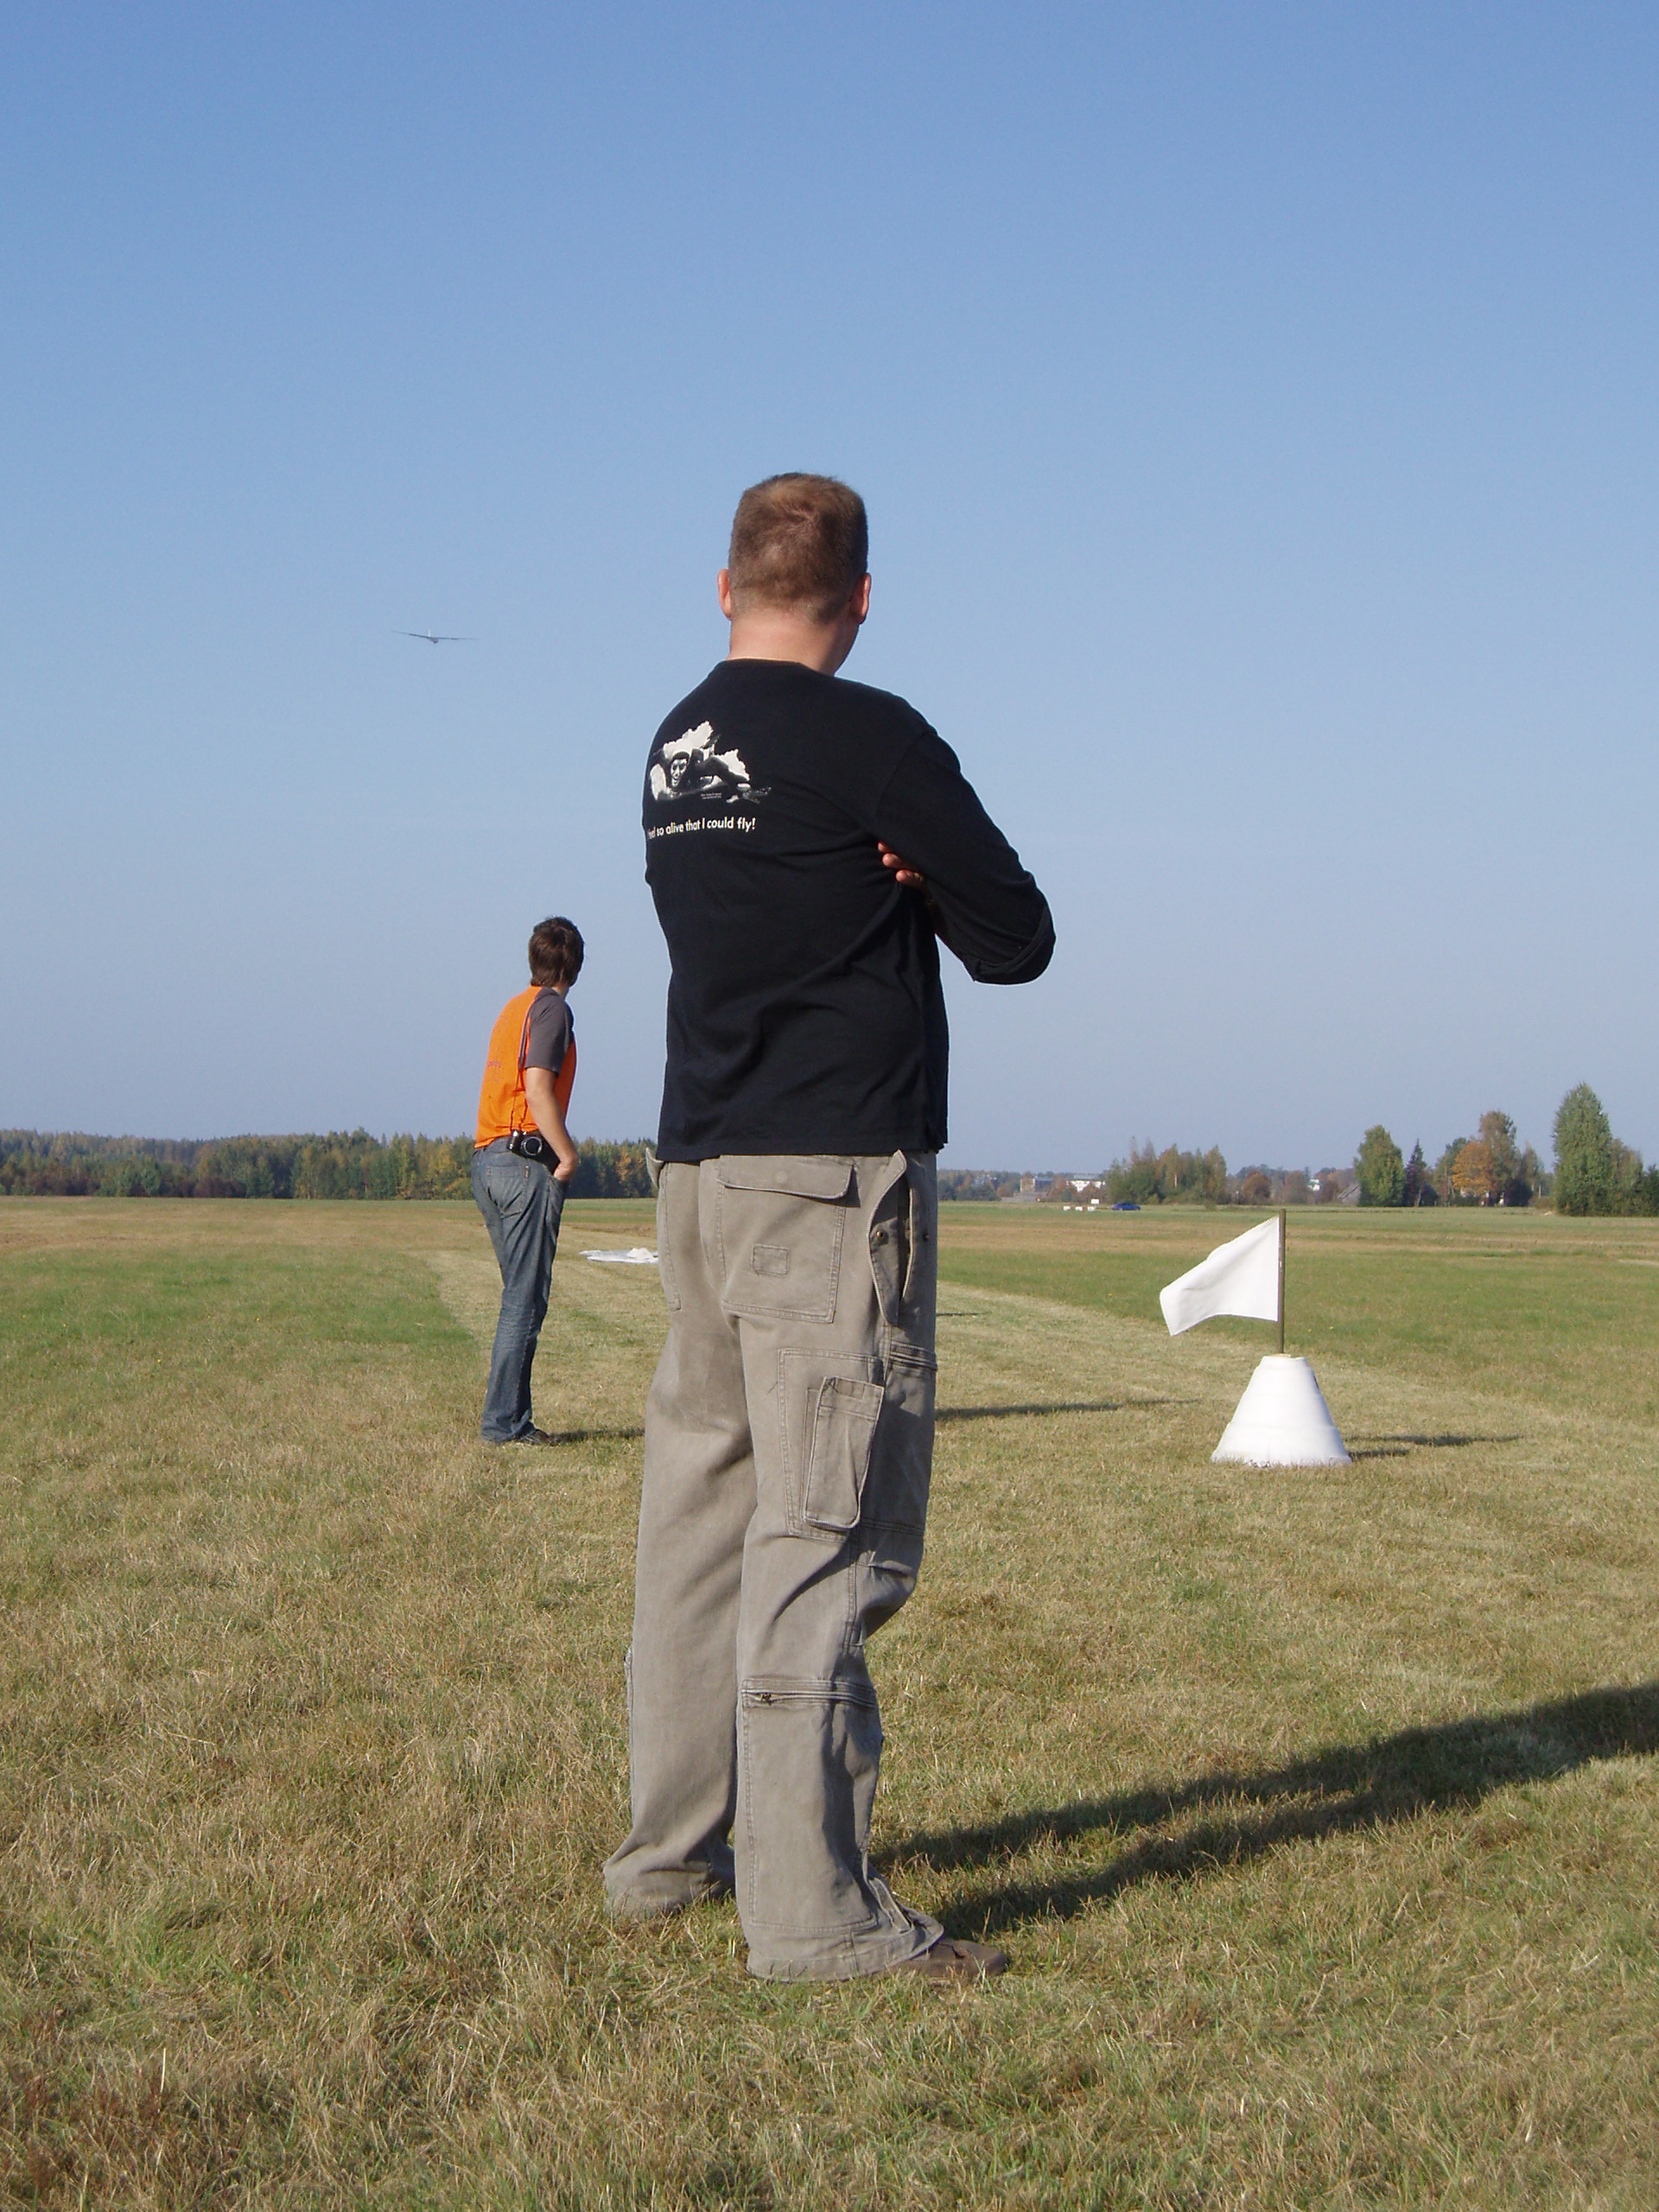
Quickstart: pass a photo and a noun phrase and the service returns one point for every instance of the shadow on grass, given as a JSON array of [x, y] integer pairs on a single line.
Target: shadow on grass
[[593, 1435], [1058, 1406], [1329, 1793], [1397, 1446]]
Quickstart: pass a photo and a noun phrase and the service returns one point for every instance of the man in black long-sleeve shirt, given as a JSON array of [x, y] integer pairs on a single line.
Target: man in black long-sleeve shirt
[[808, 843]]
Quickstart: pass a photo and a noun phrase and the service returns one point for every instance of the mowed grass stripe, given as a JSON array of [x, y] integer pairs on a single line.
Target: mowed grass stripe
[[1318, 1810]]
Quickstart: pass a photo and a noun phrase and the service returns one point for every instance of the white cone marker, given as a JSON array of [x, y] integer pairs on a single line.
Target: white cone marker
[[1283, 1421]]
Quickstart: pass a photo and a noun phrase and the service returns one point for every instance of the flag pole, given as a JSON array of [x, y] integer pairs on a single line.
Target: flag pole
[[1281, 1282]]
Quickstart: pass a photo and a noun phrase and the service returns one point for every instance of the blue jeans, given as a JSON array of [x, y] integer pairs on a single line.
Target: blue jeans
[[521, 1204]]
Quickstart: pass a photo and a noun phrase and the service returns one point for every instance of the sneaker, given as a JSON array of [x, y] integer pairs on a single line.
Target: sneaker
[[948, 1959], [531, 1435]]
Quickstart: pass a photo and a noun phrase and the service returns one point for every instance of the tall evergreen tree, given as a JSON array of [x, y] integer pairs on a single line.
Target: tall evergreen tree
[[1584, 1154], [1497, 1135], [1381, 1170]]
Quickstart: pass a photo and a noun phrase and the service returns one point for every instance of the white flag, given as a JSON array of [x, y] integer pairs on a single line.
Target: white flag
[[1242, 1277]]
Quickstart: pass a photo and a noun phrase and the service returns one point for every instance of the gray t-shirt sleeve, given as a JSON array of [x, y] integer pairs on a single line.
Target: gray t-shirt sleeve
[[549, 1033]]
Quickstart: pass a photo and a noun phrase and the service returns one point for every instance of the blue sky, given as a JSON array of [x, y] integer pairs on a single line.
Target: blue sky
[[1256, 408]]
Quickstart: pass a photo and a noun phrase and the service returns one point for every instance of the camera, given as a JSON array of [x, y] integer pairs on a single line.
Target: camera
[[532, 1144]]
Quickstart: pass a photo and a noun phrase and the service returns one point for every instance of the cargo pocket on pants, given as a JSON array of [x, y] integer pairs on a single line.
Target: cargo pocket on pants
[[829, 1404], [811, 1751], [838, 1463], [779, 1220]]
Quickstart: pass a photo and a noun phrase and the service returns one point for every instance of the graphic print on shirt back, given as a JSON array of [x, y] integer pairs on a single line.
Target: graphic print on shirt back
[[694, 767]]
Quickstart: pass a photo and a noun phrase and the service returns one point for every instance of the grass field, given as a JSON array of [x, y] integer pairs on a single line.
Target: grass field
[[1319, 1812]]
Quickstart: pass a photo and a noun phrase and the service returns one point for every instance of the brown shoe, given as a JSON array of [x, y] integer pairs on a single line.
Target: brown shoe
[[948, 1958]]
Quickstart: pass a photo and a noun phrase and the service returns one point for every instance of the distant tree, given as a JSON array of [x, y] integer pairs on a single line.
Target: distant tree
[[1474, 1176], [132, 1178], [1444, 1165], [1627, 1174], [1294, 1192], [1419, 1189], [1172, 1176], [381, 1176], [1381, 1170], [1257, 1189], [1584, 1154], [1497, 1135], [1136, 1177], [976, 1183]]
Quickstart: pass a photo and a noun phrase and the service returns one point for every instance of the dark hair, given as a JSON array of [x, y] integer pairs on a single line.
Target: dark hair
[[556, 950], [799, 542]]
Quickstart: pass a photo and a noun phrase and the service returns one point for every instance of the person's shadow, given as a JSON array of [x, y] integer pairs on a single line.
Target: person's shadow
[[1242, 1815]]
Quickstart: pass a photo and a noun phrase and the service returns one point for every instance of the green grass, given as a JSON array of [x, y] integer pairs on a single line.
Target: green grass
[[1537, 1307], [1318, 1810]]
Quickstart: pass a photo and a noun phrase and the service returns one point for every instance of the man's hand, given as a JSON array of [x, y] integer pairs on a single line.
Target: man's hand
[[543, 1102], [903, 873], [901, 868]]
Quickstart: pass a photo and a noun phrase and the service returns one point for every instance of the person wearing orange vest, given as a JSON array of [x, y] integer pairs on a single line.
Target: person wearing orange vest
[[522, 1158]]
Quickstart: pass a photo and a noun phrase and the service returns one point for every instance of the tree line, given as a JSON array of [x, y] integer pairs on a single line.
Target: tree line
[[342, 1164], [1492, 1168], [976, 1183], [1149, 1176], [1594, 1174], [1172, 1177]]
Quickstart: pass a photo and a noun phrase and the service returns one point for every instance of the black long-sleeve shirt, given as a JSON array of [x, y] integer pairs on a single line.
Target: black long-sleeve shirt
[[805, 1010]]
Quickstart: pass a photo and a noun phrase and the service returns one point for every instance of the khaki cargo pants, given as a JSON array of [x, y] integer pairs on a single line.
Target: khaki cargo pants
[[789, 1437]]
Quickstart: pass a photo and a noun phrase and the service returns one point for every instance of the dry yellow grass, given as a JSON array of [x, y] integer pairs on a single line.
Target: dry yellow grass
[[1319, 1812]]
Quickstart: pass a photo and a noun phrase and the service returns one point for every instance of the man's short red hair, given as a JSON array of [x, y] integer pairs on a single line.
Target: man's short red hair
[[798, 542]]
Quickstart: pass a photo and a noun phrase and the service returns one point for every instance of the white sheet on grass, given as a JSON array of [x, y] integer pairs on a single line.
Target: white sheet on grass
[[639, 1257]]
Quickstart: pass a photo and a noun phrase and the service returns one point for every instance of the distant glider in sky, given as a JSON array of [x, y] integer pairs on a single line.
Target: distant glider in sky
[[437, 638]]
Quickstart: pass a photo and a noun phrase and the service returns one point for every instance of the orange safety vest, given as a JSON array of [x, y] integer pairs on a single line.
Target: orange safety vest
[[502, 1105]]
